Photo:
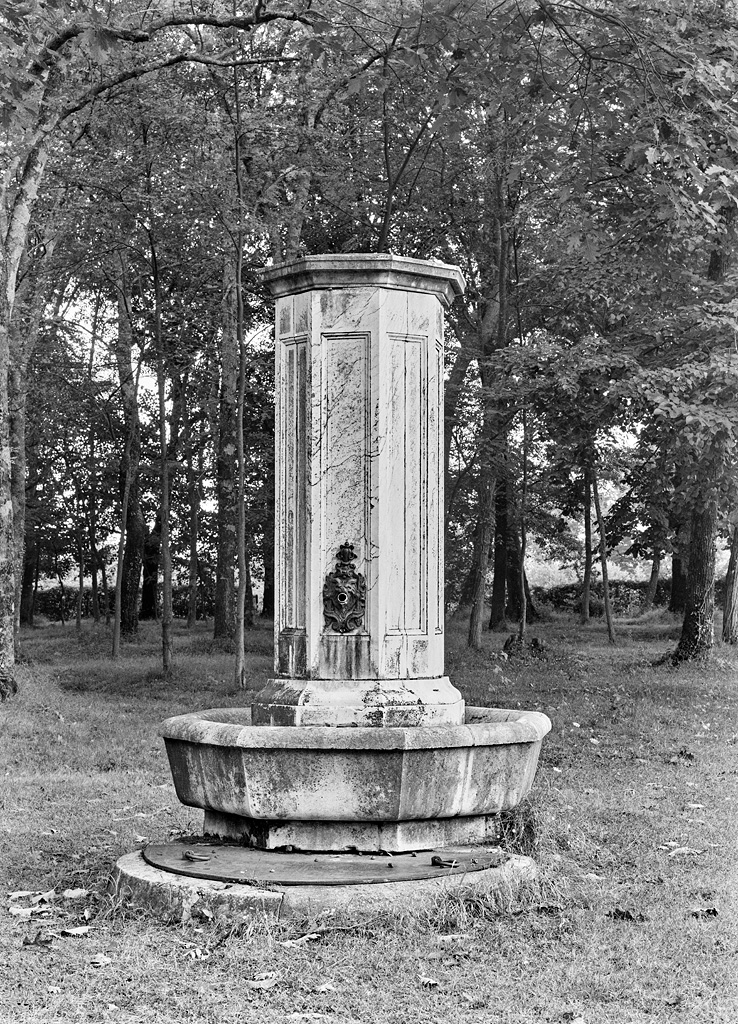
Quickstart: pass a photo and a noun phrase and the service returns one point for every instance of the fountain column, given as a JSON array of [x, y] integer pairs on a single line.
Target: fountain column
[[359, 615]]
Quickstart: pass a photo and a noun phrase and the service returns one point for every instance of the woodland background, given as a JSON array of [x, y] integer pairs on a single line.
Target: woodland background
[[577, 161]]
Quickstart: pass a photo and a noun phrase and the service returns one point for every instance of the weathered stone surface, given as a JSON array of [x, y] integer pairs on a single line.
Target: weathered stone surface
[[359, 702], [174, 897], [359, 541], [335, 836], [222, 763]]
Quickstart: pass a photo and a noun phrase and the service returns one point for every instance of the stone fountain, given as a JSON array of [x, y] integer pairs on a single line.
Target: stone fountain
[[358, 763]]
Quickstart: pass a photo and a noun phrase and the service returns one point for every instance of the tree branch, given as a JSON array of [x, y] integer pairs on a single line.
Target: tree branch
[[159, 65]]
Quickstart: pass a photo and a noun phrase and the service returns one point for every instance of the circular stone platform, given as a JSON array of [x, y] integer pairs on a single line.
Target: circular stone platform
[[176, 897]]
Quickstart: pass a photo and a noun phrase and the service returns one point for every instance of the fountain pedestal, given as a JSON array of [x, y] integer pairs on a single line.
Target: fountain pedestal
[[359, 538], [359, 743]]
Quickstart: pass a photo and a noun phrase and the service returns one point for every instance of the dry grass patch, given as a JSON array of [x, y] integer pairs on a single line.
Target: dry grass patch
[[632, 821]]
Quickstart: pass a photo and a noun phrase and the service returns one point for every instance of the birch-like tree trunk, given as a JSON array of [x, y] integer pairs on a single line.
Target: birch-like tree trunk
[[194, 475], [587, 575], [133, 524], [8, 684], [226, 492], [730, 601], [603, 557]]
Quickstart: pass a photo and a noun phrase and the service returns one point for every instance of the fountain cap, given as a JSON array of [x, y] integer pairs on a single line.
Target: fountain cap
[[352, 270]]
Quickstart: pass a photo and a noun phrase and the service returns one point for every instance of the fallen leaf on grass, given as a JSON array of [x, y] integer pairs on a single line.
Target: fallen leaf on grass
[[53, 990], [304, 1015], [262, 981], [327, 987], [704, 912], [44, 897], [75, 894], [427, 982], [618, 914], [27, 912], [686, 851], [452, 937], [74, 933], [292, 943], [100, 960], [20, 893], [22, 911]]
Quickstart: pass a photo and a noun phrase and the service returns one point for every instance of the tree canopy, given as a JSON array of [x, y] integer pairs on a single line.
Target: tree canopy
[[577, 160]]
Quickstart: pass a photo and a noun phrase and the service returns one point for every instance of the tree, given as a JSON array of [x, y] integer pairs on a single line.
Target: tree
[[730, 601], [57, 63]]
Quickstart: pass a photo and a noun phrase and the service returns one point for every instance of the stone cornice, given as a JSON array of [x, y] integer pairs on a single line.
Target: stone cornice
[[360, 270]]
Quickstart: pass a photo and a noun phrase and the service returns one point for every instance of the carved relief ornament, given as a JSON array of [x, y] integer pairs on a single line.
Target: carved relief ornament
[[344, 593]]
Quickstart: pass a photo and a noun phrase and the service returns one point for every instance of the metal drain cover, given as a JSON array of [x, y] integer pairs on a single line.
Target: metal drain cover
[[229, 862]]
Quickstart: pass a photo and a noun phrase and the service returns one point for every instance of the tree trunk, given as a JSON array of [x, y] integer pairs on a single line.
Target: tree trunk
[[133, 524], [467, 588], [92, 472], [515, 593], [17, 385], [267, 604], [150, 586], [521, 544], [8, 684], [466, 352], [226, 465], [653, 582], [678, 594], [94, 567], [486, 494], [29, 306], [19, 194], [164, 518], [106, 595], [245, 616], [81, 581], [603, 558], [698, 629], [730, 602], [31, 548], [587, 577], [497, 618], [30, 563], [518, 587], [193, 495], [62, 591]]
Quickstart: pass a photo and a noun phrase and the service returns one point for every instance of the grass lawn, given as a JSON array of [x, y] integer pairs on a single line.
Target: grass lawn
[[636, 818]]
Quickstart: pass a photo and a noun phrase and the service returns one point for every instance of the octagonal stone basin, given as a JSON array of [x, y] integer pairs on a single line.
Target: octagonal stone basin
[[222, 763]]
